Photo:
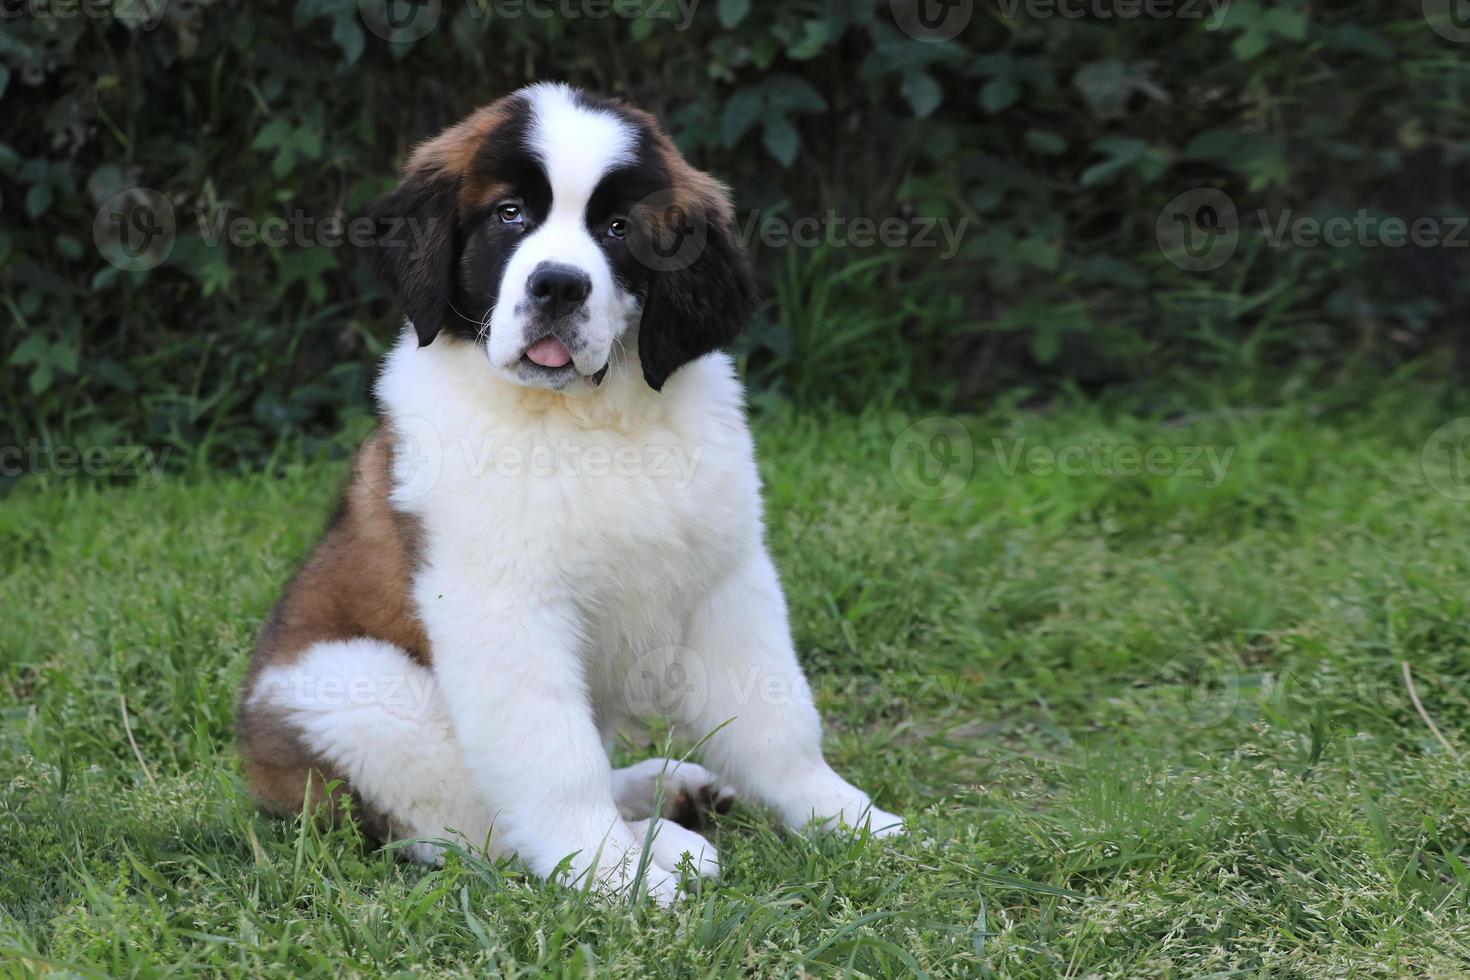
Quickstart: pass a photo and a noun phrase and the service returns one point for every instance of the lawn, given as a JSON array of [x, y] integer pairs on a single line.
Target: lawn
[[1138, 684]]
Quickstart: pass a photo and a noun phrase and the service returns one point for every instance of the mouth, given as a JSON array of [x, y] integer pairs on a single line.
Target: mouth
[[550, 361], [548, 352]]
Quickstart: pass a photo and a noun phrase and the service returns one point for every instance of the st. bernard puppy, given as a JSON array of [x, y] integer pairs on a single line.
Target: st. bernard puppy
[[556, 527]]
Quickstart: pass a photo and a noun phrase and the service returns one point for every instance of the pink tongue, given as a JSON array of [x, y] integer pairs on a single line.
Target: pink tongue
[[550, 353]]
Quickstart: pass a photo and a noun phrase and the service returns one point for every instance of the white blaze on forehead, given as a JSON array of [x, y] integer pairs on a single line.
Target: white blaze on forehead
[[577, 145]]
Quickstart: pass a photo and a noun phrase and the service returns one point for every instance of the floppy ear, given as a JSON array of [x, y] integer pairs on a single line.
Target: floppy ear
[[694, 307], [413, 247]]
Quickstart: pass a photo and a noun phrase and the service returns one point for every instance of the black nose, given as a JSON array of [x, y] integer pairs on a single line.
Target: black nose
[[558, 289]]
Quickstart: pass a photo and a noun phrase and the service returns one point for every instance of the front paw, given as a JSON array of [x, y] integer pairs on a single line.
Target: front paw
[[612, 870], [830, 803], [858, 817], [879, 823], [672, 844]]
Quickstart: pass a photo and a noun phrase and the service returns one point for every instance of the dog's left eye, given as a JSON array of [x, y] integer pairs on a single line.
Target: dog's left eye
[[618, 228], [509, 212]]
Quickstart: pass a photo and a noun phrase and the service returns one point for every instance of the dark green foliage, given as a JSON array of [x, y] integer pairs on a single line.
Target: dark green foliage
[[1056, 140]]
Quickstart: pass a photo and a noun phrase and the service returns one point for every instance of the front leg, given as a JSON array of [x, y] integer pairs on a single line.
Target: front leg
[[747, 675], [513, 683]]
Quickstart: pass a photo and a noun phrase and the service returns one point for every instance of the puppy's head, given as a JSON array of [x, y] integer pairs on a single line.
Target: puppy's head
[[549, 228]]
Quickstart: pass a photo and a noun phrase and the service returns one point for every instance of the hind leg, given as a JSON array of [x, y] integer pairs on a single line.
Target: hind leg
[[362, 712]]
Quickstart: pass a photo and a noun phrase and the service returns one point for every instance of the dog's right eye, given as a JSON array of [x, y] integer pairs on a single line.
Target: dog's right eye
[[510, 213]]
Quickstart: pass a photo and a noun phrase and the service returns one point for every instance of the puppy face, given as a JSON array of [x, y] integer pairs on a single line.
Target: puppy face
[[567, 237]]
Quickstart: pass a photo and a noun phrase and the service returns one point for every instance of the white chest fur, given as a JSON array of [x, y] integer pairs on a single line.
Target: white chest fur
[[629, 502]]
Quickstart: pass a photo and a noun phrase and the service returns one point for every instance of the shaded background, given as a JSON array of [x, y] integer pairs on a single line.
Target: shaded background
[[1059, 138]]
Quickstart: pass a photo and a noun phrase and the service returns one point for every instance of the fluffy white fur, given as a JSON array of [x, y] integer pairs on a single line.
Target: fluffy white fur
[[558, 601], [587, 556]]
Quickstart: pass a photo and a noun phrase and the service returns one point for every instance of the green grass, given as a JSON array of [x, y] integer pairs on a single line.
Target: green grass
[[1140, 725]]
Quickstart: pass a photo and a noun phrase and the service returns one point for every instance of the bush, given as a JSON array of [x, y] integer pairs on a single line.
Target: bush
[[1050, 142]]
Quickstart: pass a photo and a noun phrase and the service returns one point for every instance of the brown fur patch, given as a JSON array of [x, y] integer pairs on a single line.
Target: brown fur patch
[[285, 776], [452, 154], [356, 583], [695, 192]]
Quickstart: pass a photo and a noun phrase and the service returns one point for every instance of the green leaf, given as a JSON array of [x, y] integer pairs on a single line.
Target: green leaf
[[347, 34], [1107, 85], [38, 200], [999, 94], [1287, 22], [33, 170], [922, 92], [104, 277], [215, 277], [1125, 153], [1249, 45], [283, 162], [65, 357], [742, 111], [1215, 145], [786, 92], [41, 379], [1046, 143], [29, 351], [275, 133], [1038, 253], [814, 37], [307, 266], [308, 142], [106, 181], [781, 139], [732, 12]]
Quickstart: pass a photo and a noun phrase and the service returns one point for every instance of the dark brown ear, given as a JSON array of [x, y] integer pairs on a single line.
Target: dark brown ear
[[701, 292], [413, 247]]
